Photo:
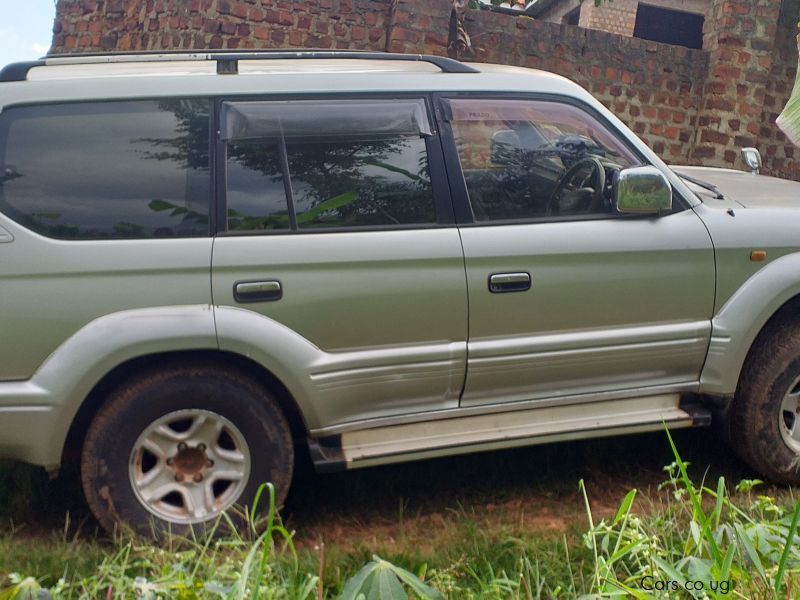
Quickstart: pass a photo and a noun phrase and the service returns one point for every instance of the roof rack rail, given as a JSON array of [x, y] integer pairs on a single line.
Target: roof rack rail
[[227, 60], [19, 71]]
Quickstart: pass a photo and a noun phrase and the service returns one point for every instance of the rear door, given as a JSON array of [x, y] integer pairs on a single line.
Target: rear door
[[338, 225]]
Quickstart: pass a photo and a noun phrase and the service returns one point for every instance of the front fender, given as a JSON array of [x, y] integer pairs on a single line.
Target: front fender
[[739, 321]]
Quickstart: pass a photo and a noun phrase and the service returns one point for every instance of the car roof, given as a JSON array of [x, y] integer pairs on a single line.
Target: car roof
[[174, 74]]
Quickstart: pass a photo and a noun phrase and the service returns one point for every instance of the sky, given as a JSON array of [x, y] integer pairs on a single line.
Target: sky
[[26, 29]]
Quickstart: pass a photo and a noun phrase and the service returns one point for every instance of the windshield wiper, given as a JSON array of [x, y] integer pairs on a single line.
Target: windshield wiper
[[703, 184]]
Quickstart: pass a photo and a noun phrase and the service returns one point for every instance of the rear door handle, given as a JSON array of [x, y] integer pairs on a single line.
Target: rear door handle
[[257, 291], [504, 283]]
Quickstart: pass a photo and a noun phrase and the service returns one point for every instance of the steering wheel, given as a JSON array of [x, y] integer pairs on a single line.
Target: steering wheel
[[592, 197]]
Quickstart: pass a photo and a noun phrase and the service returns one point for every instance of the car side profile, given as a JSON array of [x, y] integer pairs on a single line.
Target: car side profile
[[210, 262]]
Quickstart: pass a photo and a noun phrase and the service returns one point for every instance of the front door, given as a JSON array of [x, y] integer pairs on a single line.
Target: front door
[[567, 298]]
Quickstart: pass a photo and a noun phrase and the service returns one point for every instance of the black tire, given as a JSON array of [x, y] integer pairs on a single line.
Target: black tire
[[230, 397], [772, 367]]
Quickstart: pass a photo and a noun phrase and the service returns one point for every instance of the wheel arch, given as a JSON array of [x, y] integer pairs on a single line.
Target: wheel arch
[[164, 360], [769, 296]]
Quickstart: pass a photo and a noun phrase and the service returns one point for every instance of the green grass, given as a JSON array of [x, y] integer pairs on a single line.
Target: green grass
[[502, 525]]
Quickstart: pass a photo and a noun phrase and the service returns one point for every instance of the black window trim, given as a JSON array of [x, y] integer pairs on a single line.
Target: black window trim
[[443, 202], [211, 161], [465, 216]]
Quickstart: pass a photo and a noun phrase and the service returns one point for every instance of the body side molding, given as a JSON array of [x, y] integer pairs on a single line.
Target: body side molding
[[333, 388]]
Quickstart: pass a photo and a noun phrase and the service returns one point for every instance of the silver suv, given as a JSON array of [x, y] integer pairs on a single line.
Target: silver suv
[[209, 259]]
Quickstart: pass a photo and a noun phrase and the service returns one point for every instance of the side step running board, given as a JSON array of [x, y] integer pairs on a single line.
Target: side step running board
[[442, 437]]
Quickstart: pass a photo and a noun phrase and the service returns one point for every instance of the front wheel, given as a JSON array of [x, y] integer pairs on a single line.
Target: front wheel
[[176, 448], [765, 419]]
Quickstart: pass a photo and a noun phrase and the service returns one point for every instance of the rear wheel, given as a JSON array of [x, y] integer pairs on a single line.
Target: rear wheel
[[765, 419], [176, 448]]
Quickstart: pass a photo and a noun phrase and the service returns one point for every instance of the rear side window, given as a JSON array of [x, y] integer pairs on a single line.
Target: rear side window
[[326, 164], [107, 170]]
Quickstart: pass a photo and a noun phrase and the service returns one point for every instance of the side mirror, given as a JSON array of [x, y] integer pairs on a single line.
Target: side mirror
[[642, 190], [752, 159], [505, 144]]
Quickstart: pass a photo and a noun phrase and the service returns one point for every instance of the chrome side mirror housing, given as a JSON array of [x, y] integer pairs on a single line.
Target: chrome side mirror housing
[[643, 191], [752, 159]]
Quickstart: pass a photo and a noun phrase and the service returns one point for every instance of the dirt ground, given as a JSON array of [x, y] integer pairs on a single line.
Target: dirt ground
[[529, 489]]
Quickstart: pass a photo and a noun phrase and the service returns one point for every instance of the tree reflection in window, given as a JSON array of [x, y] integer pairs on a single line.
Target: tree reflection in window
[[98, 170], [383, 181]]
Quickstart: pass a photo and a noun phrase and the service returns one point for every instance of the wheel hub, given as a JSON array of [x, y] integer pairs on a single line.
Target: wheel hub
[[188, 461], [189, 466], [789, 417]]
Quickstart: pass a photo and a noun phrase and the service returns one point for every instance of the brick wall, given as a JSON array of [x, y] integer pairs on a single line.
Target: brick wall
[[656, 89], [691, 106], [617, 17], [781, 156]]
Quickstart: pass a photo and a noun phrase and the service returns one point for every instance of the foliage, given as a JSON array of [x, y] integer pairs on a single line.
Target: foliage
[[709, 552], [735, 539], [789, 119], [382, 579]]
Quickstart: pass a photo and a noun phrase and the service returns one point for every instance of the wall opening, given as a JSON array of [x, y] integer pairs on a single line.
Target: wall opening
[[669, 26], [573, 17]]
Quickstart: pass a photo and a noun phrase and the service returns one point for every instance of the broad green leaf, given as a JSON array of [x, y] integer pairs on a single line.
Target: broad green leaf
[[625, 507], [747, 543], [27, 589], [789, 119], [720, 499], [331, 204], [673, 574], [394, 169], [420, 589], [726, 564], [626, 549], [161, 205], [638, 594], [381, 580], [352, 588]]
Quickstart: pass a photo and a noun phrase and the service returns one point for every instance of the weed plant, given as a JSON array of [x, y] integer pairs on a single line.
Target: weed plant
[[695, 540]]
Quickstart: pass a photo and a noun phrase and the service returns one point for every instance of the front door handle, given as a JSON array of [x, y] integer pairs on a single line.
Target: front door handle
[[257, 291], [503, 283]]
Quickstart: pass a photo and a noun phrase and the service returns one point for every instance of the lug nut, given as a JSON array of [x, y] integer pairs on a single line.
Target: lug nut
[[198, 477], [182, 446], [201, 446], [209, 463], [169, 461], [179, 477]]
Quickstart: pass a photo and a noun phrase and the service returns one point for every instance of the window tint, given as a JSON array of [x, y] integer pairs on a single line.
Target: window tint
[[107, 170], [529, 159], [357, 182], [256, 187], [290, 179]]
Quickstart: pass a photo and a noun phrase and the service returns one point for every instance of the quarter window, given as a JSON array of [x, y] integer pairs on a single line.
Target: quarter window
[[532, 159], [107, 170], [326, 164]]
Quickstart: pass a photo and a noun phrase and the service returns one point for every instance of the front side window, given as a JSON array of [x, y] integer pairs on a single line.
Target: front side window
[[525, 159], [101, 170], [326, 164]]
